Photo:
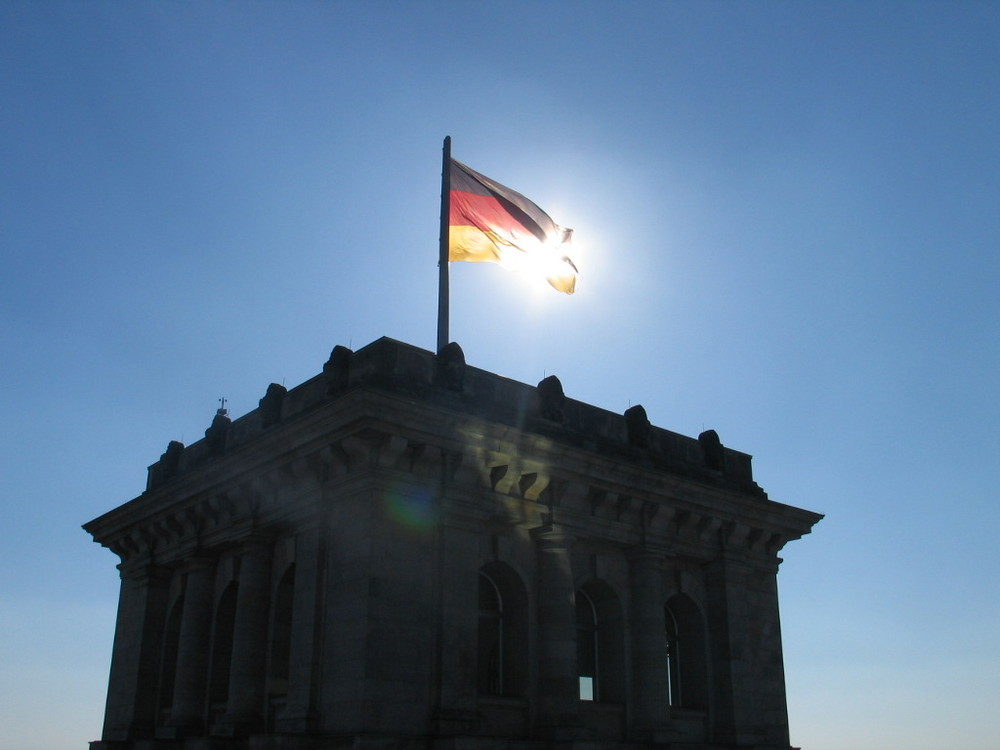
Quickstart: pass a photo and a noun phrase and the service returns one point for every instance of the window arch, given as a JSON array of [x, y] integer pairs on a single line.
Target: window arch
[[491, 645], [587, 655], [502, 665], [600, 653], [673, 659], [687, 664]]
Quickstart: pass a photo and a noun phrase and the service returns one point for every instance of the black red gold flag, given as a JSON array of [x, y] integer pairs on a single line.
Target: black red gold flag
[[489, 222]]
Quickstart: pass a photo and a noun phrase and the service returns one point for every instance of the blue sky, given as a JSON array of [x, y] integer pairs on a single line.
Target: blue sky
[[787, 222]]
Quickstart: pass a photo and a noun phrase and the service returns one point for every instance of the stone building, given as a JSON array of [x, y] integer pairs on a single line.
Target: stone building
[[408, 552]]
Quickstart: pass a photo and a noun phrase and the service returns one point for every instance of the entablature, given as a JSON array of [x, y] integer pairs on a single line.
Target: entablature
[[499, 451]]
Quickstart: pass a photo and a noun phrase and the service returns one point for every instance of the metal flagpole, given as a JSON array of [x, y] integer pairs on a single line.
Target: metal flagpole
[[442, 332]]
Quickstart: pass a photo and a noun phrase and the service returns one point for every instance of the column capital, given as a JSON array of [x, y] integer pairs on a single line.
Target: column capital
[[736, 563], [551, 536], [197, 562], [645, 557], [144, 571], [256, 541]]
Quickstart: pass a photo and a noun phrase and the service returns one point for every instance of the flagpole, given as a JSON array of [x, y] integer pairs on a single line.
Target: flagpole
[[442, 327]]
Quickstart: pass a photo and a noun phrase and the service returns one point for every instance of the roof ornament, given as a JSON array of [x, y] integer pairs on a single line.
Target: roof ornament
[[216, 434]]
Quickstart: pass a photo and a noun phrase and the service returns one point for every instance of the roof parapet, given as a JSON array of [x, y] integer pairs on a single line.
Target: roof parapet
[[446, 380]]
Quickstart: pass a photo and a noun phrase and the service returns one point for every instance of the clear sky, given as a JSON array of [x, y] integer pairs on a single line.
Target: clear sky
[[787, 222]]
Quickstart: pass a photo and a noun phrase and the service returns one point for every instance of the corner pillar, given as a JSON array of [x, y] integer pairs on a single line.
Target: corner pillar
[[130, 711], [743, 625]]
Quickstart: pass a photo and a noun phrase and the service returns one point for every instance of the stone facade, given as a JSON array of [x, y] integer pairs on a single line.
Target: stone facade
[[407, 552]]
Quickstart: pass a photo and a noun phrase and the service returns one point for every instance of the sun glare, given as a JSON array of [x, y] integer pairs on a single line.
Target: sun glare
[[541, 261]]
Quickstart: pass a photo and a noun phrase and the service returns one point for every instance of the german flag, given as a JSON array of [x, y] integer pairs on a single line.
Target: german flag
[[492, 223]]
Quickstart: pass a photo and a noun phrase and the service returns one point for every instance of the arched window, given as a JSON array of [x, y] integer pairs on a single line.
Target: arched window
[[600, 655], [491, 645], [673, 660], [687, 662], [586, 647], [503, 632]]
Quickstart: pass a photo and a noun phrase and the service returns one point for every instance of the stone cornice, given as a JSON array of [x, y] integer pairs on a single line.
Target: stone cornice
[[384, 411]]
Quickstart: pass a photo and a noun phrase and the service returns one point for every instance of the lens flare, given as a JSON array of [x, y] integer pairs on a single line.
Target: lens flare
[[542, 260], [411, 508]]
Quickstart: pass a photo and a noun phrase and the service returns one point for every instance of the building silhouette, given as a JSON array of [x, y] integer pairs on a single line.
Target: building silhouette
[[408, 552]]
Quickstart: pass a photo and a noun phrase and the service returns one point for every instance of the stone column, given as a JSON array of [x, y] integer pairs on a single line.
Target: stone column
[[245, 702], [131, 706], [773, 707], [188, 711], [558, 681], [299, 714], [649, 651], [456, 687], [749, 688]]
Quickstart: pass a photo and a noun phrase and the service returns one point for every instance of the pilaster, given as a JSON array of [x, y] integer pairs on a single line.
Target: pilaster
[[748, 685], [558, 681], [650, 692], [131, 704], [299, 714], [187, 714], [456, 683], [245, 703]]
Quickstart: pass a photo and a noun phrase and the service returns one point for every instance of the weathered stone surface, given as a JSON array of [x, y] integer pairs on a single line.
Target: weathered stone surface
[[638, 426], [405, 551], [451, 366], [337, 370], [270, 405], [551, 398]]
